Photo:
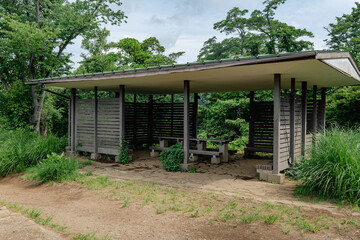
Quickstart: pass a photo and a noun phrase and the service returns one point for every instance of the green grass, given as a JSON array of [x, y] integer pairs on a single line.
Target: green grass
[[20, 149], [55, 168], [332, 170]]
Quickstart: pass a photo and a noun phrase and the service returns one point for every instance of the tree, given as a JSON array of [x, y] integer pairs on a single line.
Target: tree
[[35, 34], [345, 33], [258, 34], [124, 54]]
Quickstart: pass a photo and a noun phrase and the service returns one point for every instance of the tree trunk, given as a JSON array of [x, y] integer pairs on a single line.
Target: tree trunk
[[38, 106]]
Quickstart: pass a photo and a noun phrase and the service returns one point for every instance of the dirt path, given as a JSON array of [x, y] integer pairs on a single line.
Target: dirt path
[[14, 226], [86, 211], [236, 178]]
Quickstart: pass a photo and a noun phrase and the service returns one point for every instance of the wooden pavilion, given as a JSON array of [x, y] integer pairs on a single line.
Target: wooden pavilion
[[283, 126]]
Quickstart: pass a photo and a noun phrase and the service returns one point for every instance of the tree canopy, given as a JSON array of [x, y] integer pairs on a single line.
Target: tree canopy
[[259, 33], [345, 33]]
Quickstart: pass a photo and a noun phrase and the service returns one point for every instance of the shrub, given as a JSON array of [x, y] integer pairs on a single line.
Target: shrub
[[23, 148], [54, 168], [332, 169], [172, 157], [123, 156]]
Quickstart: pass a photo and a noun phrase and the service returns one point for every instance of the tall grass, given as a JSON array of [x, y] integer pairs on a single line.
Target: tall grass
[[20, 149], [332, 169]]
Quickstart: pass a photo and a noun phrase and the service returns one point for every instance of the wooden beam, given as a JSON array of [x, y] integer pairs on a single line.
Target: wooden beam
[[73, 120], [303, 117], [277, 109], [251, 120], [323, 108], [186, 121], [96, 110], [122, 113], [195, 117], [292, 120], [314, 120]]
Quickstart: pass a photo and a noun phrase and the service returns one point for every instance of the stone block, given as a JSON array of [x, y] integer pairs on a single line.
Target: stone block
[[193, 158], [276, 178], [71, 154], [95, 156], [215, 160], [185, 167], [154, 153], [263, 174]]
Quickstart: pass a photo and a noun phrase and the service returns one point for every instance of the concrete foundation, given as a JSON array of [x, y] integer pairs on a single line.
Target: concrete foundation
[[154, 153], [193, 158], [95, 156], [186, 167], [71, 153], [215, 160], [267, 175]]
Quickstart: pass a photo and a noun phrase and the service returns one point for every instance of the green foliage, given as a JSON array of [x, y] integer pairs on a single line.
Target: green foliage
[[20, 149], [332, 169], [343, 106], [54, 168], [124, 151], [258, 34], [172, 157], [344, 34]]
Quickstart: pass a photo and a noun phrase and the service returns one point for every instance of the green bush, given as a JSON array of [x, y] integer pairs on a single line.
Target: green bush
[[22, 148], [172, 157], [123, 156], [54, 168], [332, 169]]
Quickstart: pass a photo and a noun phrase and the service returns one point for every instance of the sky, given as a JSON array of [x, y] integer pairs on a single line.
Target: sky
[[184, 25]]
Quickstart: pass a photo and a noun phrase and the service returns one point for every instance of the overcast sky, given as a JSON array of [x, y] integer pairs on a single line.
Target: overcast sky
[[184, 25]]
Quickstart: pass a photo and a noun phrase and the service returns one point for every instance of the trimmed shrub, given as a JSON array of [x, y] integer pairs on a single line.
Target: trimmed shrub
[[172, 157], [54, 168], [332, 169]]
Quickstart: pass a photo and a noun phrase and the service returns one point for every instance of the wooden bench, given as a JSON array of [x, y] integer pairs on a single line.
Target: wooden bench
[[249, 150], [201, 149]]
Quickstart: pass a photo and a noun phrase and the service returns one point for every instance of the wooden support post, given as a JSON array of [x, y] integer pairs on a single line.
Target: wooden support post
[[117, 94], [122, 113], [96, 147], [172, 115], [151, 112], [186, 121], [292, 120], [314, 116], [134, 121], [303, 117], [73, 120], [277, 106], [195, 117], [323, 108], [251, 120], [69, 126], [95, 155]]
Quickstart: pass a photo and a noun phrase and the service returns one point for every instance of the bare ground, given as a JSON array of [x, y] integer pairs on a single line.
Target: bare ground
[[84, 211]]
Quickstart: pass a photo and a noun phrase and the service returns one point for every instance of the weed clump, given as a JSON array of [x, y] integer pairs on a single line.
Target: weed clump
[[172, 157], [332, 169]]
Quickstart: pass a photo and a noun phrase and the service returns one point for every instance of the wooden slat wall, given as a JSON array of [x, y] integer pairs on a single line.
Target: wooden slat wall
[[285, 130], [136, 123], [263, 124], [310, 115]]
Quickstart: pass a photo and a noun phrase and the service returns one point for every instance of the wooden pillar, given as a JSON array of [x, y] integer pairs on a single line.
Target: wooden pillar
[[303, 117], [96, 147], [172, 115], [251, 120], [122, 113], [323, 108], [151, 112], [314, 120], [277, 112], [69, 125], [292, 120], [186, 121], [134, 120], [117, 94], [73, 120], [195, 118]]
